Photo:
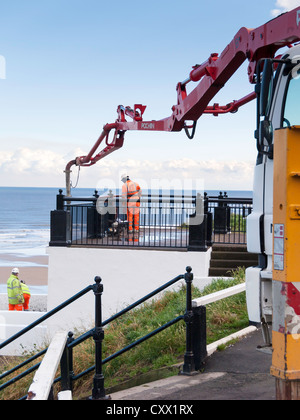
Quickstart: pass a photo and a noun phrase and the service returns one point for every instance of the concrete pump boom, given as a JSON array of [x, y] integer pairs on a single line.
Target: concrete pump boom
[[247, 44]]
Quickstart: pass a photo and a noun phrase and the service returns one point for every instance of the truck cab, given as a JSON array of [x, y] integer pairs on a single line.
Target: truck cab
[[278, 91]]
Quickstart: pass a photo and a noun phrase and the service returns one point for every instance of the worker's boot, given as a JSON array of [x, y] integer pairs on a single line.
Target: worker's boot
[[136, 235], [130, 236]]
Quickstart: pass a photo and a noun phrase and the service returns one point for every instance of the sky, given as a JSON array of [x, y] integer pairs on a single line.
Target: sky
[[66, 65]]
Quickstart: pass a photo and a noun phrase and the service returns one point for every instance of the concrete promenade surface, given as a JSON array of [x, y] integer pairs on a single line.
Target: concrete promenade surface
[[240, 372]]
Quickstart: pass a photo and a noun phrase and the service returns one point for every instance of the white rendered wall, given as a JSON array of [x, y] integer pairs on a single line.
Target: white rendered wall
[[11, 322], [127, 275]]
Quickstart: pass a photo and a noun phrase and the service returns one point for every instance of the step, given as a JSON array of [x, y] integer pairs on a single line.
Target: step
[[232, 263], [224, 255], [219, 272], [228, 257], [229, 247]]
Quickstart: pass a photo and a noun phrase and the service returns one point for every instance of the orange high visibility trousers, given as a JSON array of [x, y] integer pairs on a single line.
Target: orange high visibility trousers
[[133, 217], [26, 301], [15, 307]]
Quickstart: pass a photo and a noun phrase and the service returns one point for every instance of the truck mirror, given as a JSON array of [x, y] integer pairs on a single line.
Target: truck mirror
[[266, 87], [265, 133]]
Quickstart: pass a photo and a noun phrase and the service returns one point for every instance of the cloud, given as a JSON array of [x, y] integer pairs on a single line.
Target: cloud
[[38, 167], [30, 160], [30, 167], [284, 6], [179, 173]]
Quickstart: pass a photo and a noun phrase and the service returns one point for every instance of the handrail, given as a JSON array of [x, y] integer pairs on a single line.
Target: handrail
[[130, 346], [138, 302], [89, 333], [46, 316], [195, 339], [222, 294], [30, 327], [73, 342], [159, 196], [26, 362]]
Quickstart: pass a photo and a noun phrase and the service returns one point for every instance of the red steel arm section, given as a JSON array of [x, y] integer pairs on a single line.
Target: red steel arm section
[[232, 107], [251, 44], [248, 44], [116, 143], [88, 160]]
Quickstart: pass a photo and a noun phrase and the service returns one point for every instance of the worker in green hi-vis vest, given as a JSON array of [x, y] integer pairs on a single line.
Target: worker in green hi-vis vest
[[14, 292]]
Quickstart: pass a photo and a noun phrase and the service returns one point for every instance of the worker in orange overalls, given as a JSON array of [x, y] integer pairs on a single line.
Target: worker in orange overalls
[[26, 294], [131, 194]]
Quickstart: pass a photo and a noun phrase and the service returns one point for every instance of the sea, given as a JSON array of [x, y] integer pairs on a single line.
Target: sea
[[25, 217]]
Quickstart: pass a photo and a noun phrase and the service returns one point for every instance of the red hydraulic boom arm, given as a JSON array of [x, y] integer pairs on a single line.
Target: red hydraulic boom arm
[[247, 44]]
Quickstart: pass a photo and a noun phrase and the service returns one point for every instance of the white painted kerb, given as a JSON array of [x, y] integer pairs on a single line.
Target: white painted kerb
[[12, 322]]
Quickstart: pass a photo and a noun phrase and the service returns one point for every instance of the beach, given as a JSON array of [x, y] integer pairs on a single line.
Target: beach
[[33, 268]]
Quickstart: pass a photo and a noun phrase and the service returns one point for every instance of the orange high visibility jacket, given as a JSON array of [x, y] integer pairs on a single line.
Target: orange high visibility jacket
[[14, 291], [132, 192]]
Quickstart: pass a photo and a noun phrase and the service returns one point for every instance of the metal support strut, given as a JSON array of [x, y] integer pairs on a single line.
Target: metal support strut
[[98, 392], [189, 359]]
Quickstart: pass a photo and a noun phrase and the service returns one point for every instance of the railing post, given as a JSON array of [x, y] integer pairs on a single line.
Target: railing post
[[66, 365], [189, 360], [198, 231], [220, 215], [98, 392], [199, 336], [227, 212], [209, 224], [60, 224], [60, 201]]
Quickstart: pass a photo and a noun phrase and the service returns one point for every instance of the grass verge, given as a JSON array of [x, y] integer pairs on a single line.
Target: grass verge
[[160, 352]]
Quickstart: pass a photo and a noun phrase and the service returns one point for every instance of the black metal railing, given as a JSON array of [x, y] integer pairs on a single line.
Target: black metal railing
[[229, 218], [195, 354], [192, 222]]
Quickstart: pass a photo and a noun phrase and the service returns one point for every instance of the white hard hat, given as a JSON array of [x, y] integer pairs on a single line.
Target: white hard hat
[[15, 271], [124, 176]]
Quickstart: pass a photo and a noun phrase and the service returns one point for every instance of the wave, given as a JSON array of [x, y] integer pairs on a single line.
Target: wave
[[16, 239]]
